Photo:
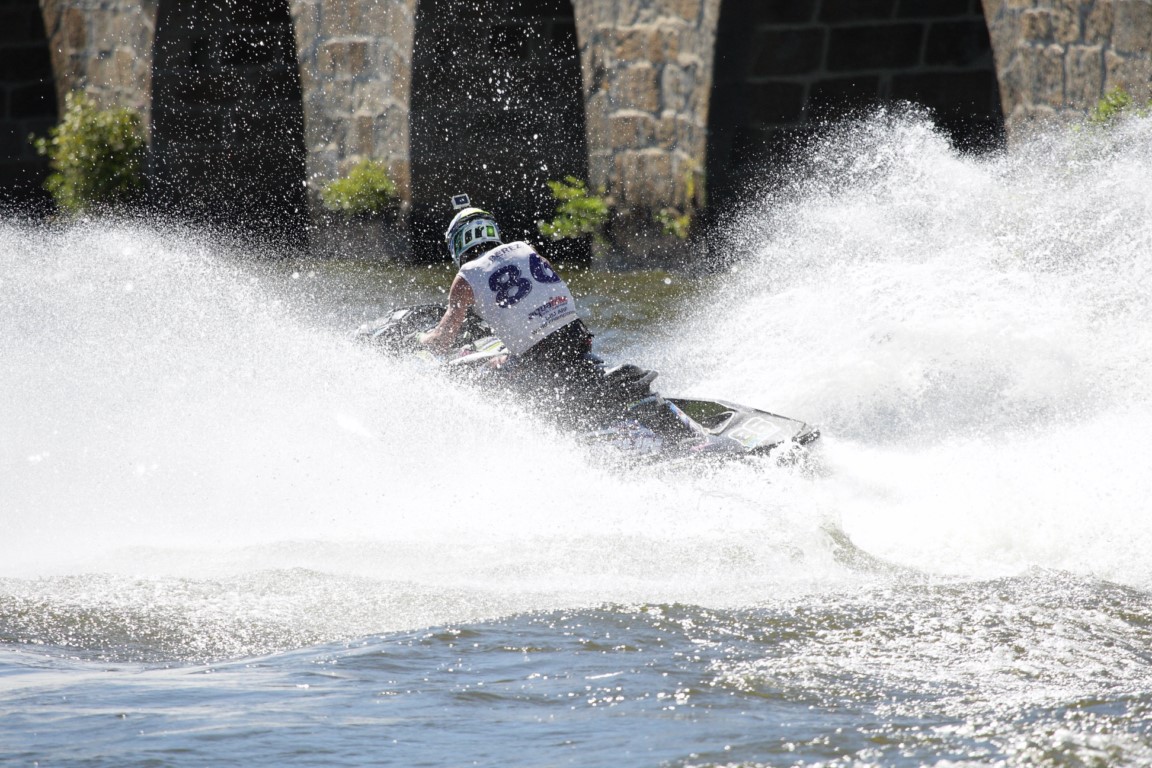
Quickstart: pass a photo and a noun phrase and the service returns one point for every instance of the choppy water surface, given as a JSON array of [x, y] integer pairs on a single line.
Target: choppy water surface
[[232, 536]]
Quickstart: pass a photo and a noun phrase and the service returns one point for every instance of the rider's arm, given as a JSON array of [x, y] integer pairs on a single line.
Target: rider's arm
[[460, 299]]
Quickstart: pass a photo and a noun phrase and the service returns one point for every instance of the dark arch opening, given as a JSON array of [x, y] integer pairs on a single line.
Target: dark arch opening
[[497, 110], [783, 68], [228, 118], [27, 106]]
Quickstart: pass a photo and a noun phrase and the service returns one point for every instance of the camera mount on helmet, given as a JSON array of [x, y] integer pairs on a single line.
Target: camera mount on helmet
[[469, 228]]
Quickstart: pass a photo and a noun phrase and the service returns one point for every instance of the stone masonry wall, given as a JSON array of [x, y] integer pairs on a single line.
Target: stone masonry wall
[[647, 68], [355, 70], [354, 57], [227, 116], [786, 70], [1056, 58], [103, 47], [647, 78]]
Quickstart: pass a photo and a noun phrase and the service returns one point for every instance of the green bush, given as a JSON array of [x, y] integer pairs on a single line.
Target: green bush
[[578, 212], [1115, 103], [96, 156], [673, 222], [367, 190]]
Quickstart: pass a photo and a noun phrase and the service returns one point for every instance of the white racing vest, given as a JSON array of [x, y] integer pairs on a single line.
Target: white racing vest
[[519, 295]]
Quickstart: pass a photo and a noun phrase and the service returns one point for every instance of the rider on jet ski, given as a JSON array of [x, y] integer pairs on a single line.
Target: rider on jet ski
[[530, 308], [527, 305]]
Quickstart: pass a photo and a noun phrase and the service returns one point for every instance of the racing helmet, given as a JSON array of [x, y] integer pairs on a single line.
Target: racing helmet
[[469, 228]]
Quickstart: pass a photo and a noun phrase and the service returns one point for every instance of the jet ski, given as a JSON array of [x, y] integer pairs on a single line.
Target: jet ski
[[642, 424]]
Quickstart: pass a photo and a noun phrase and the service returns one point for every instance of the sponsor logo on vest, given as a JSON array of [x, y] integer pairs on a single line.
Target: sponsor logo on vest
[[502, 251], [551, 304]]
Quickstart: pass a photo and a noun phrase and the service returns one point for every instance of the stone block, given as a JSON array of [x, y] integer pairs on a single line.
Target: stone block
[[305, 24], [337, 98], [596, 120], [683, 177], [624, 13], [1036, 25], [391, 135], [776, 102], [343, 58], [677, 86], [655, 178], [601, 166], [667, 133], [1029, 118], [1132, 30], [685, 10], [1084, 75], [363, 136], [358, 53], [787, 51], [319, 129], [74, 29], [51, 12], [889, 46], [402, 175], [833, 98], [931, 9], [334, 20], [1066, 25], [126, 65], [635, 87], [783, 11], [390, 20], [633, 43], [1016, 77], [401, 78], [625, 167], [1049, 76], [856, 11], [369, 97], [631, 130], [666, 45], [1097, 27], [1132, 73], [949, 94], [958, 44]]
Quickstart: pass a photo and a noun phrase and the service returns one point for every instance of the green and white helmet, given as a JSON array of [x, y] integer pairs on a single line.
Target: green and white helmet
[[470, 227]]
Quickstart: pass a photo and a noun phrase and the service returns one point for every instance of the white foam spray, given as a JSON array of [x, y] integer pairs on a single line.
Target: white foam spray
[[167, 415], [972, 335]]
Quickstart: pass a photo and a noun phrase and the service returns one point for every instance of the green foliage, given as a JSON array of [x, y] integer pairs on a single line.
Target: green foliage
[[578, 211], [367, 190], [96, 156], [673, 222], [1115, 103]]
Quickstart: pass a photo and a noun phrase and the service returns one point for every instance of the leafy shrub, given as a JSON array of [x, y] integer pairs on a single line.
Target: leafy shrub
[[1115, 103], [367, 190], [673, 222], [578, 211], [96, 156]]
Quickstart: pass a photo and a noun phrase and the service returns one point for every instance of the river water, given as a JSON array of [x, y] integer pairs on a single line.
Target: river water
[[230, 536]]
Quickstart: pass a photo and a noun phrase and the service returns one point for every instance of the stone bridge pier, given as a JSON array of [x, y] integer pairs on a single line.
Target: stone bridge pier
[[675, 106]]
